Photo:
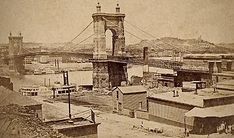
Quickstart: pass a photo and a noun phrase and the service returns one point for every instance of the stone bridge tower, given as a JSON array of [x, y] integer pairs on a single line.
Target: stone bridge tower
[[109, 70], [16, 63]]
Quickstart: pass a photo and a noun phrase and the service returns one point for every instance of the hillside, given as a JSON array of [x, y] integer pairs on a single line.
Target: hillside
[[158, 47], [227, 45], [164, 47]]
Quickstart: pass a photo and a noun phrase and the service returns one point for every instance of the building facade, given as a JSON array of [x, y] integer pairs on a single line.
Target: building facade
[[170, 109], [128, 99]]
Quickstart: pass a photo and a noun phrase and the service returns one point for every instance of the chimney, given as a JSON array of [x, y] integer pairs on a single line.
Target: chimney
[[146, 59], [177, 94], [65, 78], [174, 95]]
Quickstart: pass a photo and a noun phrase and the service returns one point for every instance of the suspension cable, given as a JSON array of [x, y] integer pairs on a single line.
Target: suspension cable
[[139, 28], [81, 31], [134, 36], [155, 37], [131, 33], [84, 40]]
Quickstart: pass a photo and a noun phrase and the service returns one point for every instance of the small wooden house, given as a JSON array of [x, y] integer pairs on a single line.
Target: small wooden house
[[128, 99]]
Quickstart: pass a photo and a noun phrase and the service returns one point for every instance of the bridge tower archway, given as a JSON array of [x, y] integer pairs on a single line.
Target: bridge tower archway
[[108, 71], [108, 21]]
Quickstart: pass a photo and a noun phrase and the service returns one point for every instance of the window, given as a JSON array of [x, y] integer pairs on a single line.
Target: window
[[140, 105]]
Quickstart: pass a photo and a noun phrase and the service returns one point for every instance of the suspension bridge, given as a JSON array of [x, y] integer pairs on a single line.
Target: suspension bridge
[[101, 22]]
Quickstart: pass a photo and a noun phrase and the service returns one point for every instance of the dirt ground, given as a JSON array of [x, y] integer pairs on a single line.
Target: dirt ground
[[112, 125]]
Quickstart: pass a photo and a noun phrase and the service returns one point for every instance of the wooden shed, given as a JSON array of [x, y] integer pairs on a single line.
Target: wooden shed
[[128, 99], [192, 110]]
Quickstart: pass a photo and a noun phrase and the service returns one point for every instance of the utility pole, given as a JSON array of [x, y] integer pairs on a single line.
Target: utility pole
[[66, 83]]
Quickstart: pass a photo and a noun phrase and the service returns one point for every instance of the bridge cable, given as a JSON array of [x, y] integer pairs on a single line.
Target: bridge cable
[[84, 39], [175, 48], [79, 35], [140, 29], [130, 34], [81, 31], [134, 36], [26, 50]]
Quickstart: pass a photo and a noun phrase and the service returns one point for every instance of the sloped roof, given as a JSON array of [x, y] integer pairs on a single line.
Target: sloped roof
[[132, 89], [216, 111], [226, 85], [11, 97]]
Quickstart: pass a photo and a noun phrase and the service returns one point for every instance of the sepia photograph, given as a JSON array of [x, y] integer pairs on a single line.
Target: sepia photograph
[[116, 68]]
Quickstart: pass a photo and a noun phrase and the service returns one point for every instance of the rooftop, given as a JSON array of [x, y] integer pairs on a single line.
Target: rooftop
[[226, 85], [225, 73], [190, 98], [63, 125], [76, 122], [209, 56], [132, 89], [216, 111], [8, 97]]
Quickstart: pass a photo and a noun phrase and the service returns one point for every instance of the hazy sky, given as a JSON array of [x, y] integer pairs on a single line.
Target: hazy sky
[[60, 20]]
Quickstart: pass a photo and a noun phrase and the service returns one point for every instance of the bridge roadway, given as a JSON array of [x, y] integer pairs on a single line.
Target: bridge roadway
[[62, 53], [133, 60]]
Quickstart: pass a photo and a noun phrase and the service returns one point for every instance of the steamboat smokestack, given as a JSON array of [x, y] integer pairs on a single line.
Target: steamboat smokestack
[[146, 59]]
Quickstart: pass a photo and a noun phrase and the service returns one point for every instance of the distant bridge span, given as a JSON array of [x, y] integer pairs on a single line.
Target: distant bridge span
[[62, 53], [19, 59]]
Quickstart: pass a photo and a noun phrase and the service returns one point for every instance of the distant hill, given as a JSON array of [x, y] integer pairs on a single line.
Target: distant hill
[[227, 45], [159, 47], [164, 46]]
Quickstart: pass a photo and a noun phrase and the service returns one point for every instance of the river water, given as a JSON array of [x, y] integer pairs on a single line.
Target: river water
[[77, 77]]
